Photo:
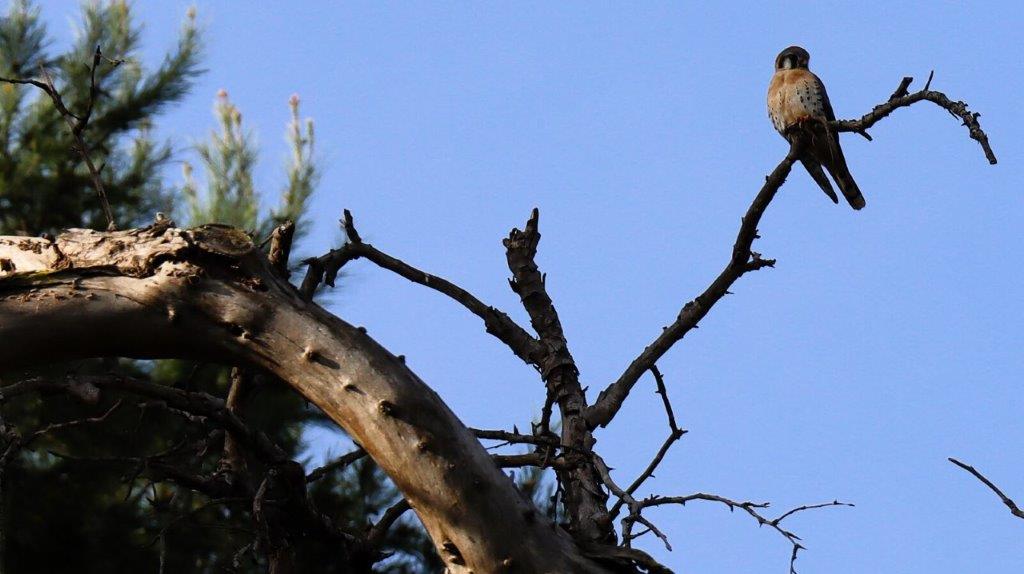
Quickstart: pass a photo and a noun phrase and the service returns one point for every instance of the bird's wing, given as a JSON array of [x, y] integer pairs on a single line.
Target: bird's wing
[[826, 105]]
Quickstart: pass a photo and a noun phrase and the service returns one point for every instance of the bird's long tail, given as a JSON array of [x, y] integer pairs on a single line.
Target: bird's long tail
[[831, 156], [814, 168]]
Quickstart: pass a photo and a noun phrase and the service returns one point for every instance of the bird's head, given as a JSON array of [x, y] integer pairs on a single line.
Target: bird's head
[[791, 58]]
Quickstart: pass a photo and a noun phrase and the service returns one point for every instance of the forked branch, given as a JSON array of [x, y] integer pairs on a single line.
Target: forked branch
[[610, 400], [901, 99], [325, 269], [77, 124]]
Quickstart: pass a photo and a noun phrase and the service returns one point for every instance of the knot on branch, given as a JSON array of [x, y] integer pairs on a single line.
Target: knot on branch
[[525, 241]]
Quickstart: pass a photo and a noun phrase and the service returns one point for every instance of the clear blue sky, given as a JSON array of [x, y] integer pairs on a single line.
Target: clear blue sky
[[883, 342]]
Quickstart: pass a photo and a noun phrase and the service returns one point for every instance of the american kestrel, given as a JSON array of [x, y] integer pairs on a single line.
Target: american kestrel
[[797, 99]]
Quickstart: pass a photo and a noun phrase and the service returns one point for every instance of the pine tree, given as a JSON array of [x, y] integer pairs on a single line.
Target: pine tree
[[92, 498], [43, 184]]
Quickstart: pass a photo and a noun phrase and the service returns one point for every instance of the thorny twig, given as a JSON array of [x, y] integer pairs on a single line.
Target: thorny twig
[[675, 433], [751, 508]]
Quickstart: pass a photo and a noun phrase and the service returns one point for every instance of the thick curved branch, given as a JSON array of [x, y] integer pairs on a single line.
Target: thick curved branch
[[207, 294]]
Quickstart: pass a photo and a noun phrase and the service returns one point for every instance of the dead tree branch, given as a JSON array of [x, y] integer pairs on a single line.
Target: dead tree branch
[[281, 247], [743, 260], [1014, 509], [324, 269], [585, 501], [208, 294], [901, 99], [752, 508], [340, 463]]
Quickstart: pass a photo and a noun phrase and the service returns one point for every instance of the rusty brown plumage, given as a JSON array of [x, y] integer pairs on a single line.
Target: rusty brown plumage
[[797, 100]]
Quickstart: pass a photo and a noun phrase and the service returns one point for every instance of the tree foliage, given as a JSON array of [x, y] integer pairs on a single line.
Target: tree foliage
[[43, 184], [92, 499]]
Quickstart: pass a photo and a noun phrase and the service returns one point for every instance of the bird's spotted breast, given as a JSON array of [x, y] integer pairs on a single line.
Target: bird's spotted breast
[[794, 95]]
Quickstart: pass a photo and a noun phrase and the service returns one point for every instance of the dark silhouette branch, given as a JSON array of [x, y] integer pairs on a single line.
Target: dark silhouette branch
[[340, 463], [752, 508], [1014, 509], [516, 438], [585, 501], [192, 402], [324, 269], [743, 260], [379, 530], [901, 99], [675, 433]]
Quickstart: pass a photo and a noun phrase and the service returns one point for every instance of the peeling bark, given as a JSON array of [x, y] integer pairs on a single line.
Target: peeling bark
[[207, 294]]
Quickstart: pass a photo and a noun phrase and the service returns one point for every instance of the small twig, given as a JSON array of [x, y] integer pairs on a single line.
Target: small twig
[[76, 125], [901, 90], [675, 433], [635, 507], [539, 460], [324, 269], [69, 424], [379, 531], [93, 91], [337, 464], [516, 438], [751, 508], [807, 507], [1014, 510]]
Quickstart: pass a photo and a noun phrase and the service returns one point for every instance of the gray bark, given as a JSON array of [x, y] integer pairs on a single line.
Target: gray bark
[[207, 294]]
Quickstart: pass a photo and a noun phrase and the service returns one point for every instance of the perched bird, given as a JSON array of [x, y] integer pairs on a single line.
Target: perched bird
[[797, 102]]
